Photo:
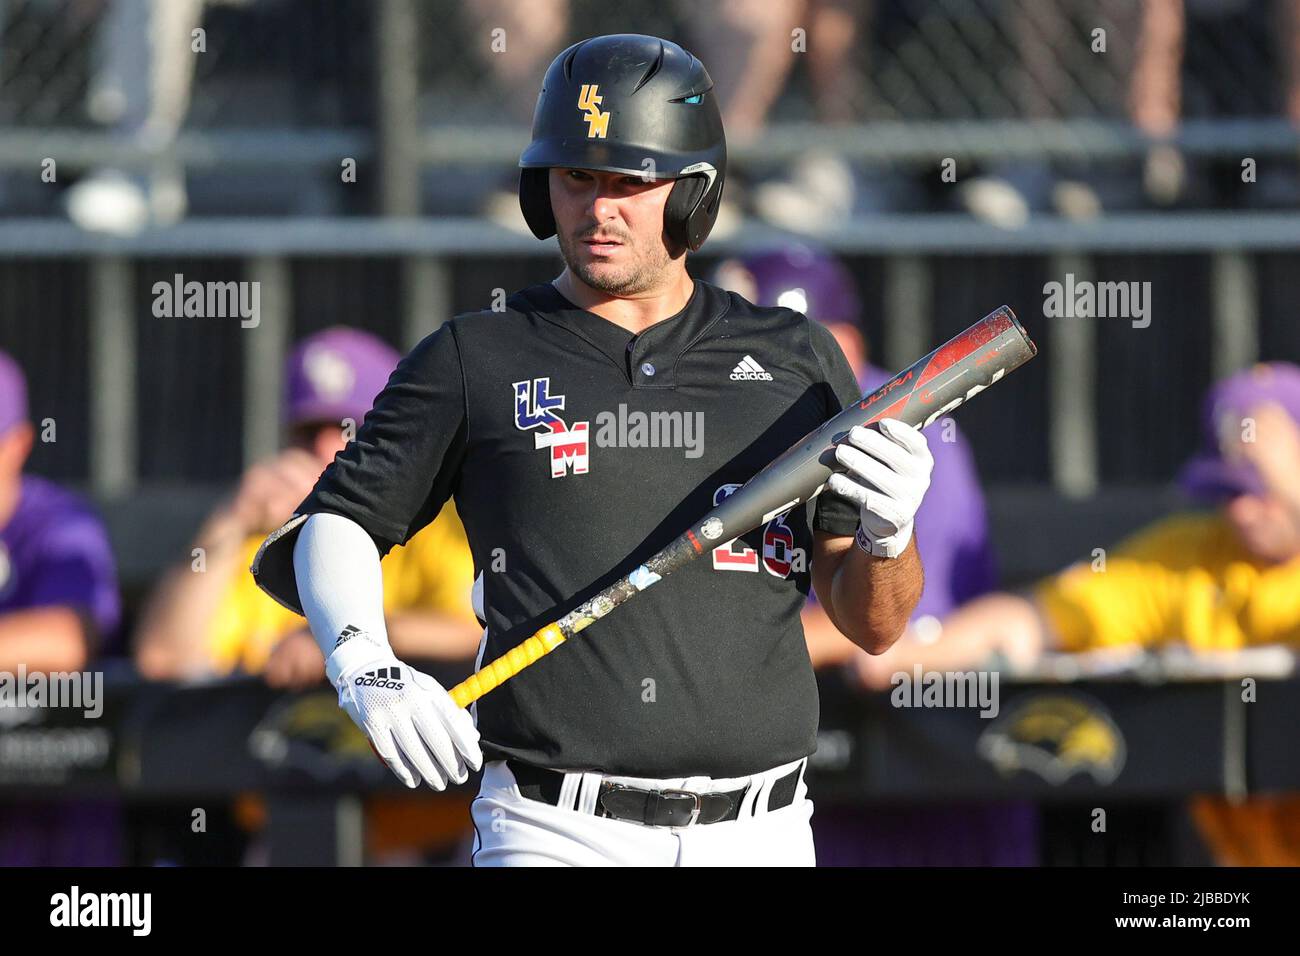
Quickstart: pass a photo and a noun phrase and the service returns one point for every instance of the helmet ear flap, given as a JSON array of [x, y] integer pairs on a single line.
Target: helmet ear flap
[[535, 201], [686, 220]]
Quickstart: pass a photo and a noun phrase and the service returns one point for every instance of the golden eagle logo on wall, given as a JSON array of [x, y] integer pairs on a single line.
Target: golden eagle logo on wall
[[305, 735], [1055, 736]]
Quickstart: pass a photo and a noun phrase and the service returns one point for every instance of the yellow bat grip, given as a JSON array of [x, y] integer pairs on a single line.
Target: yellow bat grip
[[507, 665]]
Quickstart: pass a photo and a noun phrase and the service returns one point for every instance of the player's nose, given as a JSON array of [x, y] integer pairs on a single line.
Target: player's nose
[[602, 208]]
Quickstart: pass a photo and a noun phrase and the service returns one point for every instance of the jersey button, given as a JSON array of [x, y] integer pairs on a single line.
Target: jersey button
[[647, 368]]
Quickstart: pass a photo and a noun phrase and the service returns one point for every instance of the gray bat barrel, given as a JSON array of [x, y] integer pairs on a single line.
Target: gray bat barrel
[[960, 368]]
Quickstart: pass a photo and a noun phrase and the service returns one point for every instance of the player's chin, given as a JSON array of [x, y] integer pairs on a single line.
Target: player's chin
[[607, 277], [603, 261]]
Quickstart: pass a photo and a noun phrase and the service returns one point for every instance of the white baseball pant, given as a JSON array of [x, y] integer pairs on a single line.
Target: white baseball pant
[[513, 830]]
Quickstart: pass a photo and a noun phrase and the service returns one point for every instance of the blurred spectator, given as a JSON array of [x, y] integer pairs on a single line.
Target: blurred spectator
[[211, 618], [144, 71], [952, 535], [208, 616], [532, 34], [1220, 580], [1215, 582], [1054, 40], [59, 603], [750, 48], [59, 608]]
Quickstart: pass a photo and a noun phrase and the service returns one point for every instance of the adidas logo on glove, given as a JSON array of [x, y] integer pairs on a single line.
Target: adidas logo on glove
[[389, 678], [750, 371]]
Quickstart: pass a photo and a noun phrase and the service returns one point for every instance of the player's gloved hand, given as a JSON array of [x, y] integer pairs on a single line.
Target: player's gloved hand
[[413, 724], [888, 474]]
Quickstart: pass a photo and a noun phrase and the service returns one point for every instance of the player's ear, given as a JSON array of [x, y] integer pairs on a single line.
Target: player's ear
[[682, 201], [535, 201]]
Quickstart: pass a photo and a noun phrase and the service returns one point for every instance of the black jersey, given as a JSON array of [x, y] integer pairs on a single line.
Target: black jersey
[[575, 450]]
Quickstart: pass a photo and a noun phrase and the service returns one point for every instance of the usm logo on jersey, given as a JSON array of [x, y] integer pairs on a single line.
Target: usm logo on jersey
[[589, 101], [568, 445]]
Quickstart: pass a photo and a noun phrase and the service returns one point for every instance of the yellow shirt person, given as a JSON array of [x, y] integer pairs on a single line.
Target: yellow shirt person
[[434, 571], [1188, 579], [1217, 581]]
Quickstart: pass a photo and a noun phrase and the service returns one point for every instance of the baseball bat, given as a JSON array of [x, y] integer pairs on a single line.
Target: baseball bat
[[947, 377]]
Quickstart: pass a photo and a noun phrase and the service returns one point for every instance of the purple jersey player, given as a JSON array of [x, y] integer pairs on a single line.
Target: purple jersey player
[[59, 607], [59, 603]]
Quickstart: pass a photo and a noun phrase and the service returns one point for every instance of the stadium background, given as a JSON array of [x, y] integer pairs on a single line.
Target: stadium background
[[156, 417]]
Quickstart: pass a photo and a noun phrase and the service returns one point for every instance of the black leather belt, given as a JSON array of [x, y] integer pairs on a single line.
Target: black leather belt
[[655, 808]]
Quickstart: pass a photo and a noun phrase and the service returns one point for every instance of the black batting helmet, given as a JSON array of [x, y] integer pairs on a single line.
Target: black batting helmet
[[629, 104]]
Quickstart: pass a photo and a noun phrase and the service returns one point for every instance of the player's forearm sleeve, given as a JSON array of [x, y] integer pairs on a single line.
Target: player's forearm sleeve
[[340, 582]]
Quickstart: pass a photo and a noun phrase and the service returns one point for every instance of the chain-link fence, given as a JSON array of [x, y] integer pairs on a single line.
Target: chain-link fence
[[88, 64], [296, 63], [299, 64]]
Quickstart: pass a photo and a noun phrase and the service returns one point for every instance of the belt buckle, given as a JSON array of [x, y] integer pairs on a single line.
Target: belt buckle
[[608, 787], [695, 810]]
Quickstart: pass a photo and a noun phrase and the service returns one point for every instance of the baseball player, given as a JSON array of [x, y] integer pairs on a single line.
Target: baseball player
[[579, 430]]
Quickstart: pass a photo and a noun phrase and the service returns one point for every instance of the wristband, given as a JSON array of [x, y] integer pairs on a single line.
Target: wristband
[[890, 547], [352, 652]]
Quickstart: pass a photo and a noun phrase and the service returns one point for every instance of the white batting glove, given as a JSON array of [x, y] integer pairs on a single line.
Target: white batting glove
[[413, 724], [888, 474]]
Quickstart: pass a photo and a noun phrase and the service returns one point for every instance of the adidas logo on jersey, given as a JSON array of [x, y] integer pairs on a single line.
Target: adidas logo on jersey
[[750, 371], [389, 678]]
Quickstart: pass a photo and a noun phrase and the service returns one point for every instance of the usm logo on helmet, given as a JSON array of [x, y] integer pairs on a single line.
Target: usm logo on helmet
[[589, 102]]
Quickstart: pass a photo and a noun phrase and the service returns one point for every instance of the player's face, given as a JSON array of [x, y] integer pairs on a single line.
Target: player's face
[[851, 344], [625, 210], [15, 445], [1265, 526], [323, 439]]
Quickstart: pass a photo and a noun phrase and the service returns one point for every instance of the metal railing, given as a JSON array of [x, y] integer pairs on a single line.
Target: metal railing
[[422, 251]]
